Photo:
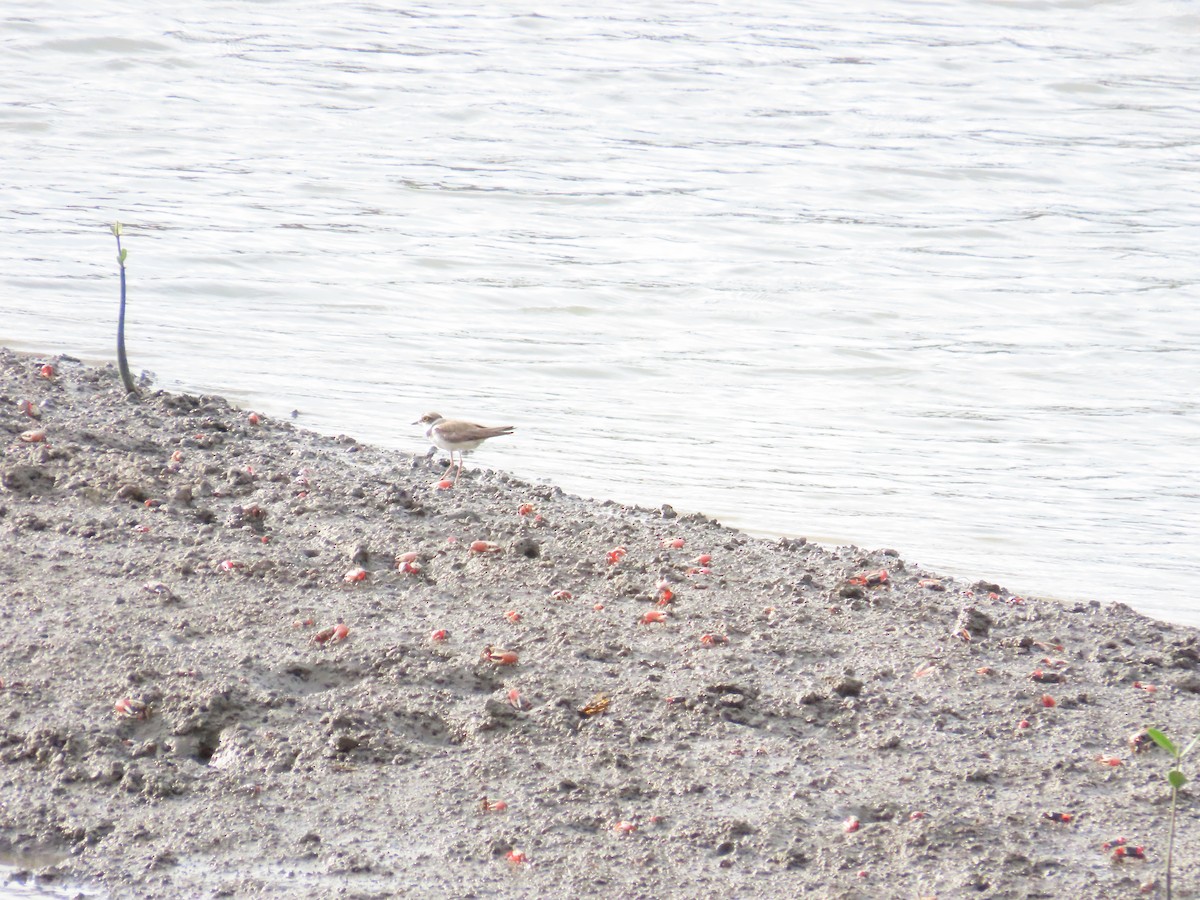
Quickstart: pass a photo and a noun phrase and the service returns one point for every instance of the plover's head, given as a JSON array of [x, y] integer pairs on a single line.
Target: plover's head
[[428, 419]]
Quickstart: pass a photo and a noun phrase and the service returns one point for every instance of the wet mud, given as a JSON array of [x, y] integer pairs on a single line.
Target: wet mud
[[243, 659]]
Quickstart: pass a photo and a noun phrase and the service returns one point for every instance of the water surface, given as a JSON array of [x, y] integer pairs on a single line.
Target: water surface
[[919, 275]]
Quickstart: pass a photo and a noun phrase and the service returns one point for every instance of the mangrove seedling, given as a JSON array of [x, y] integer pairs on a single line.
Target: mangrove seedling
[[1177, 780], [122, 362]]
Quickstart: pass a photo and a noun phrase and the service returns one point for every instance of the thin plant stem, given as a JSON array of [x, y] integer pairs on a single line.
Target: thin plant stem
[[122, 361], [1171, 836]]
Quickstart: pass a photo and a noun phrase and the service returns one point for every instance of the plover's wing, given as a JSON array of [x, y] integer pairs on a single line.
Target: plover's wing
[[459, 432]]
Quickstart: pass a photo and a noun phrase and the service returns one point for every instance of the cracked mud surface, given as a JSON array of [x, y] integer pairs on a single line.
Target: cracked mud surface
[[169, 726]]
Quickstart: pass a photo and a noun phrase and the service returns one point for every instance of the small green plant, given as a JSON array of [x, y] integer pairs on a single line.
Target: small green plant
[[1177, 780], [122, 362]]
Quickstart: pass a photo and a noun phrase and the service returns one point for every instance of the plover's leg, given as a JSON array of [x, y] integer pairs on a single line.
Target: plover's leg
[[433, 460]]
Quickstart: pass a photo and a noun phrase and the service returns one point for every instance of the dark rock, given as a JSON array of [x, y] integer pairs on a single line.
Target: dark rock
[[848, 686], [135, 493], [525, 546], [973, 621], [26, 480], [344, 743]]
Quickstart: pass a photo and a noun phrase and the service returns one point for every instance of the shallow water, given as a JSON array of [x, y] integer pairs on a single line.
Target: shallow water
[[14, 886], [917, 275]]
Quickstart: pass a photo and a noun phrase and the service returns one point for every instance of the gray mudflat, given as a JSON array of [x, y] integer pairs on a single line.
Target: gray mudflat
[[172, 729]]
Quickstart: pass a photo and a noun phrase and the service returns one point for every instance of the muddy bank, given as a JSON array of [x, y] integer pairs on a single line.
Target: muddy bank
[[702, 713]]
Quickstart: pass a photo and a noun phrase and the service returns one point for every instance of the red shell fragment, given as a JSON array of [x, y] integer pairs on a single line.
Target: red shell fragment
[[333, 635], [665, 594], [499, 657], [1122, 853], [127, 708], [1140, 740], [869, 579]]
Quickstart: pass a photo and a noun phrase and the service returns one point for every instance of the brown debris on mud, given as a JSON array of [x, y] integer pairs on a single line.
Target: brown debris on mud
[[245, 659]]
